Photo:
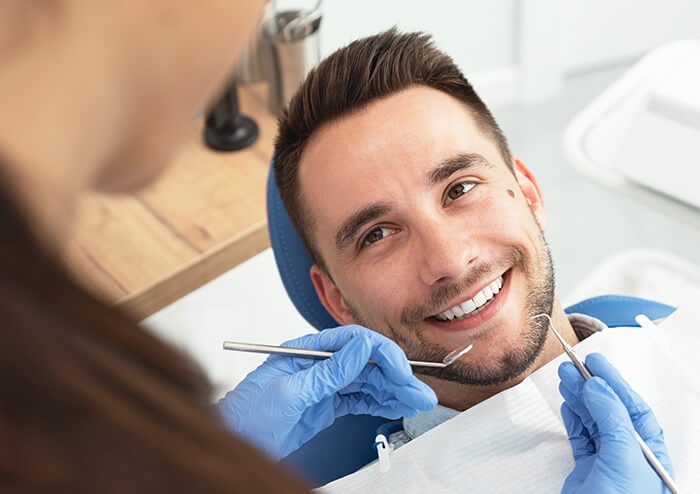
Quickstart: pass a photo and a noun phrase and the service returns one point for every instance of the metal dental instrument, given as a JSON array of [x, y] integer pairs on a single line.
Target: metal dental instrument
[[648, 453], [567, 349], [302, 352]]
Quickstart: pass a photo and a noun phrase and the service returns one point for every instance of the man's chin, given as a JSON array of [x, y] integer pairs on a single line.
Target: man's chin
[[498, 357]]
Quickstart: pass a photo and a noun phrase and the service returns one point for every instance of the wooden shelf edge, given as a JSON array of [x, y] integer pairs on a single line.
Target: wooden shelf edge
[[197, 272]]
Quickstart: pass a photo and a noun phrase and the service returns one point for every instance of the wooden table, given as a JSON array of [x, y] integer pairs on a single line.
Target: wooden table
[[205, 215]]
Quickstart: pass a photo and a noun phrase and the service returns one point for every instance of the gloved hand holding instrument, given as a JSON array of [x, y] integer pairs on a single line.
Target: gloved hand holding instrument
[[617, 443], [287, 401]]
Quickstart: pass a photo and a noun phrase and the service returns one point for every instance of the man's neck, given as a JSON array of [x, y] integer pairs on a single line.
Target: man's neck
[[461, 397]]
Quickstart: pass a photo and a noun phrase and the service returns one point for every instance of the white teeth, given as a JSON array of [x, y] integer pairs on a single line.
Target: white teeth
[[465, 308], [480, 298], [468, 306]]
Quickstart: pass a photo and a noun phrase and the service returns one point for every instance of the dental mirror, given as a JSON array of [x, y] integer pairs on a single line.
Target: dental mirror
[[455, 354]]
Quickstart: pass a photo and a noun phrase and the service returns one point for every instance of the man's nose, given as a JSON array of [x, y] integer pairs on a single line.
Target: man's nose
[[445, 253]]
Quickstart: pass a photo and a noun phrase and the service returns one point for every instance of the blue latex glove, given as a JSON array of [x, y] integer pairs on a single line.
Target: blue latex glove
[[600, 416], [287, 401]]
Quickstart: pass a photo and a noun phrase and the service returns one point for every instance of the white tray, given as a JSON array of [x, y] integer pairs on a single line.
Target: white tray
[[599, 139], [646, 273]]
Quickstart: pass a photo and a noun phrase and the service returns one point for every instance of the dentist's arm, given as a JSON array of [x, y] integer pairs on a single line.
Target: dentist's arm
[[600, 416], [286, 401]]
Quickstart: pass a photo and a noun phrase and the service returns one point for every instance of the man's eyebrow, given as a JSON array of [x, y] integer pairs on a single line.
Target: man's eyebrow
[[357, 220], [453, 164]]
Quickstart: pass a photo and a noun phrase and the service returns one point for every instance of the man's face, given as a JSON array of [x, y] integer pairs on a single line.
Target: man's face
[[428, 236]]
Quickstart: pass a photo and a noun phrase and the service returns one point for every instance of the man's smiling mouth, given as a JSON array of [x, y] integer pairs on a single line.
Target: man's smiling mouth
[[475, 304]]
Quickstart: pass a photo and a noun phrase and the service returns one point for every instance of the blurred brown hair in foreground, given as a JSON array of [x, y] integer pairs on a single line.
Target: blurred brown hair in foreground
[[89, 402]]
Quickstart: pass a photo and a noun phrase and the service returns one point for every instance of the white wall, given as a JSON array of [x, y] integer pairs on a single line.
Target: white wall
[[599, 32], [478, 34], [517, 50]]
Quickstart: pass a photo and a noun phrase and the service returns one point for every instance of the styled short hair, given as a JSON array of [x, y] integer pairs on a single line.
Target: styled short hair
[[349, 80]]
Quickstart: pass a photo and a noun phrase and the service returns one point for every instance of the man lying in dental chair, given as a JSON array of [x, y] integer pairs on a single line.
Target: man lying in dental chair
[[423, 226]]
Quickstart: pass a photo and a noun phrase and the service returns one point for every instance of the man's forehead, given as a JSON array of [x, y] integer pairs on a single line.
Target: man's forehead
[[418, 125], [398, 124]]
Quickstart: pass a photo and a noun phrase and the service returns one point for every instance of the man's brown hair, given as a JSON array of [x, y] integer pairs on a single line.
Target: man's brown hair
[[352, 78]]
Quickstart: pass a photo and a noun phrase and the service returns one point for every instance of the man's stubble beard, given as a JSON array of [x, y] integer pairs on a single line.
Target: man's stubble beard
[[513, 362]]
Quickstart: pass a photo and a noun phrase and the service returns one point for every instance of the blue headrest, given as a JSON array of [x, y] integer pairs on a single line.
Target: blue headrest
[[293, 261]]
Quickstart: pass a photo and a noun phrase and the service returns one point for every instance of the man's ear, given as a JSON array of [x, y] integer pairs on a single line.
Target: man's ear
[[531, 190], [330, 296]]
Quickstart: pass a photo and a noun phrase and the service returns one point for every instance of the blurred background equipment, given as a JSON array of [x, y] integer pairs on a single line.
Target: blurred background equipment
[[250, 68], [641, 136], [291, 44], [225, 128], [651, 274]]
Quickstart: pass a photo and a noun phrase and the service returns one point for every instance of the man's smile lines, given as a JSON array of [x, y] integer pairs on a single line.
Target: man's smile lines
[[466, 309]]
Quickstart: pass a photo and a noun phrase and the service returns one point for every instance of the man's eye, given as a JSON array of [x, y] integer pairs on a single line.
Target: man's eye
[[376, 235], [458, 190]]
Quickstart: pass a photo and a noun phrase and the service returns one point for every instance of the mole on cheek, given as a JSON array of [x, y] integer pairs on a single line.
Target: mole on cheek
[[511, 193]]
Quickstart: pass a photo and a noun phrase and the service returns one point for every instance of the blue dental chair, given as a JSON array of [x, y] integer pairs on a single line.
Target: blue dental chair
[[348, 444]]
